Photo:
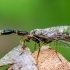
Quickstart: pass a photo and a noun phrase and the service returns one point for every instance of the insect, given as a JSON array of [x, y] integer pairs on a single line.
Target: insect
[[47, 35]]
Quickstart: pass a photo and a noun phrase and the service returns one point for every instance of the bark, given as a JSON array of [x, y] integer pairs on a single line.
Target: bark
[[25, 60], [49, 59], [20, 59]]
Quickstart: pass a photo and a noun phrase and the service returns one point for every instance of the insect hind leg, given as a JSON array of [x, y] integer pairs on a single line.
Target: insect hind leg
[[56, 46], [37, 40], [34, 47], [57, 49], [38, 52]]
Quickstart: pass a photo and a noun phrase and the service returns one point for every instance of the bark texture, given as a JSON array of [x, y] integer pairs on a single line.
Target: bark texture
[[50, 60], [25, 60]]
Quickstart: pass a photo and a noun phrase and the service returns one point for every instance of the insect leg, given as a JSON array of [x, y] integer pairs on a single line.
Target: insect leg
[[24, 45], [37, 40], [23, 42], [56, 46], [27, 39], [35, 46], [38, 52], [57, 49]]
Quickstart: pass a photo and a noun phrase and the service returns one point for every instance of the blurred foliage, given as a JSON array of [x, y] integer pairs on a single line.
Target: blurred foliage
[[31, 14]]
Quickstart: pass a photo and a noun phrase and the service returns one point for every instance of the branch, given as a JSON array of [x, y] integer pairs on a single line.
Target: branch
[[50, 60], [20, 59], [23, 60]]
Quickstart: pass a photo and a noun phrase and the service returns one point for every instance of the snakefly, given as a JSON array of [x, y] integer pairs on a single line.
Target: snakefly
[[47, 35]]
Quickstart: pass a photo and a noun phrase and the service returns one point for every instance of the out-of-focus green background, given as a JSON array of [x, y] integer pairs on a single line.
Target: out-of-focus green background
[[28, 15]]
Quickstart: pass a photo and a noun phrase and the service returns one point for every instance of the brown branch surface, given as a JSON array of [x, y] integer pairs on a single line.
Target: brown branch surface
[[50, 60], [23, 60]]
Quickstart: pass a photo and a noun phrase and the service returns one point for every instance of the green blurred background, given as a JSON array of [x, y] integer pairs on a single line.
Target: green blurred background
[[28, 15]]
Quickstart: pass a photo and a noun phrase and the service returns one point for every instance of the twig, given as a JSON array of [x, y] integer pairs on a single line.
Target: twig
[[23, 60], [50, 60], [20, 59]]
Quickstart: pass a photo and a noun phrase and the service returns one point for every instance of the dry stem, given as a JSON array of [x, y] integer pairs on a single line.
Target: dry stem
[[23, 60]]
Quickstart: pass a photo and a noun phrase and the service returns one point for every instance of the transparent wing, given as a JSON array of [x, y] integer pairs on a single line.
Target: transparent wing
[[48, 35], [51, 31], [65, 43]]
